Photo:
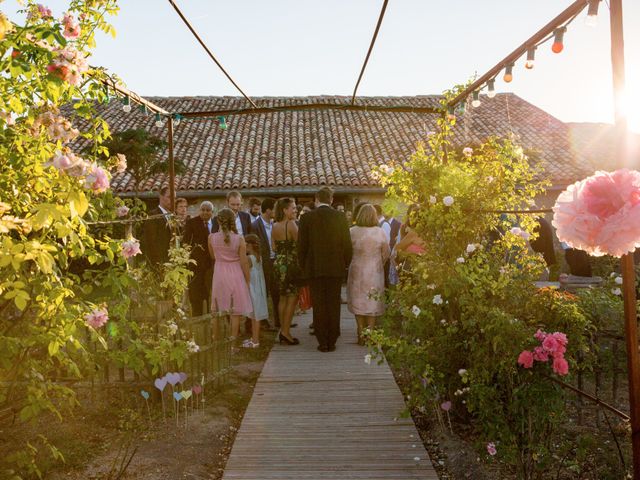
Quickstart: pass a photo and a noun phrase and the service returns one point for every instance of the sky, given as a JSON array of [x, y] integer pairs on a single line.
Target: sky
[[313, 47]]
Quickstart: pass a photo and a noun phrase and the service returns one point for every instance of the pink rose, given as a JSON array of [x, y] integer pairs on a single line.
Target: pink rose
[[540, 354], [71, 26], [491, 449], [122, 211], [446, 406], [97, 318], [560, 366], [44, 11], [62, 162], [525, 359], [130, 248], [561, 338], [97, 179], [121, 164], [550, 344], [540, 335]]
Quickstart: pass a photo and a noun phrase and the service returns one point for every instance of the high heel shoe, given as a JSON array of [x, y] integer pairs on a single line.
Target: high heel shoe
[[286, 341]]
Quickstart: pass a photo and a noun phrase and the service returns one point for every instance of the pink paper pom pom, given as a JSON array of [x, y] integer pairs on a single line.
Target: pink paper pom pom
[[601, 214]]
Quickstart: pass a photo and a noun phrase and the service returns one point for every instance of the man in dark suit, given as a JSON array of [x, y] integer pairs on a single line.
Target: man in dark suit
[[157, 233], [324, 253], [262, 228], [243, 219], [196, 234]]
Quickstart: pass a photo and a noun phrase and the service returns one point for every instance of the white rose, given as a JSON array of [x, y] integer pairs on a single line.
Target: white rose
[[616, 291], [448, 200], [618, 280], [367, 359], [460, 259], [415, 310], [437, 299], [433, 199], [471, 248], [462, 372]]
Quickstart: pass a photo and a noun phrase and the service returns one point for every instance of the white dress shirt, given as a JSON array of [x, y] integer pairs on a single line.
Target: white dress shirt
[[239, 225], [386, 228], [268, 227]]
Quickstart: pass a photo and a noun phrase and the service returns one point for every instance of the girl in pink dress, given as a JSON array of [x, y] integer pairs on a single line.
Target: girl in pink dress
[[230, 286]]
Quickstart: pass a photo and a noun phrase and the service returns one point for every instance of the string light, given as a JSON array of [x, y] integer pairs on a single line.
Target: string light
[[461, 108], [223, 123], [126, 107], [451, 115], [592, 13], [475, 103], [531, 57], [159, 122], [143, 109], [176, 119], [491, 88], [558, 36], [508, 73]]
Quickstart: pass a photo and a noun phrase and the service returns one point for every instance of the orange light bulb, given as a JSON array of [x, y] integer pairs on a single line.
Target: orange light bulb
[[558, 35]]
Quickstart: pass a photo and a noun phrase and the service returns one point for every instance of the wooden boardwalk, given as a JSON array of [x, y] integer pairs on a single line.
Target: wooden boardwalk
[[320, 416]]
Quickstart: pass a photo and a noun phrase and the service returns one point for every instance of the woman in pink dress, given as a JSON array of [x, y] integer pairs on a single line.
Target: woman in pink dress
[[365, 284], [231, 274]]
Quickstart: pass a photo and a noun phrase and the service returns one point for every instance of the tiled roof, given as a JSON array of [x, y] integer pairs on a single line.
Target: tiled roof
[[329, 147]]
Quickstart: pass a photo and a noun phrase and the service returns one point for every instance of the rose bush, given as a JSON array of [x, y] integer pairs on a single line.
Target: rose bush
[[65, 282], [467, 308]]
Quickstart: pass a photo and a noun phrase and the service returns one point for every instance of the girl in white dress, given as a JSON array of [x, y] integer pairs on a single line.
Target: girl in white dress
[[257, 290]]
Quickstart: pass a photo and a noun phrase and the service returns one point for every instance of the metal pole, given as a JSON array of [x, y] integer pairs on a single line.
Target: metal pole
[[627, 263], [172, 172]]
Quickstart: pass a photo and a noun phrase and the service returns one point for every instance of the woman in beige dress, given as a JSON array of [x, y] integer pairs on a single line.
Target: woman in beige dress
[[365, 284]]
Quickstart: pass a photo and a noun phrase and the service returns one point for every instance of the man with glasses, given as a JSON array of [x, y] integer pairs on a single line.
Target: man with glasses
[[196, 234]]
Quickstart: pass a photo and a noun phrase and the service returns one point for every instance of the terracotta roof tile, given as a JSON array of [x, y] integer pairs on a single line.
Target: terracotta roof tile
[[325, 147]]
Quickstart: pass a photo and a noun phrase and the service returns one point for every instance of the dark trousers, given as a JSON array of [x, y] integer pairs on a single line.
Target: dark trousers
[[200, 291], [272, 289], [325, 297]]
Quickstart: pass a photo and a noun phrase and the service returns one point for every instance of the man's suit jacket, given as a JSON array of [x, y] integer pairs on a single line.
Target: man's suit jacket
[[245, 221], [196, 234], [257, 228], [156, 238], [324, 243]]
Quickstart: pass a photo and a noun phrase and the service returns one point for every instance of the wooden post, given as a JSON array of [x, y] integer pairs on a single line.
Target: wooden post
[[633, 358], [172, 171], [627, 263]]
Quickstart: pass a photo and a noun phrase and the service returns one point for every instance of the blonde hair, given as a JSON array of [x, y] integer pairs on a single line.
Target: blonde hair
[[227, 223], [367, 216]]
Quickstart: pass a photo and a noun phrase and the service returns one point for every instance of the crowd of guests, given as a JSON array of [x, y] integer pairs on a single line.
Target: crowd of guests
[[291, 255]]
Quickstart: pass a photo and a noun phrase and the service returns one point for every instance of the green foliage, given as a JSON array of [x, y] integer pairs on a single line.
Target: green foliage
[[467, 307], [56, 266]]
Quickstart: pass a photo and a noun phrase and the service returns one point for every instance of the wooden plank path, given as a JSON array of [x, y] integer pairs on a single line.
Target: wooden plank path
[[320, 416]]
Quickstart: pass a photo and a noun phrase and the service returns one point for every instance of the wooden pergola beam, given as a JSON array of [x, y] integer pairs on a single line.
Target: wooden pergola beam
[[572, 10], [312, 106]]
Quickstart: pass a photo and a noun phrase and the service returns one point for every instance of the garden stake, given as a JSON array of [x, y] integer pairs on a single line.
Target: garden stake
[[145, 395]]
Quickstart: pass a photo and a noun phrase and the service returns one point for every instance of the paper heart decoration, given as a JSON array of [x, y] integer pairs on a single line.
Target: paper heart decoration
[[177, 396], [172, 378], [183, 377], [144, 394], [186, 394], [160, 383], [197, 389]]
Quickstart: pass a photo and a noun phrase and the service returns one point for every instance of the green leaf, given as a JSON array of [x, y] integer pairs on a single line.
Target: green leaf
[[54, 347]]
